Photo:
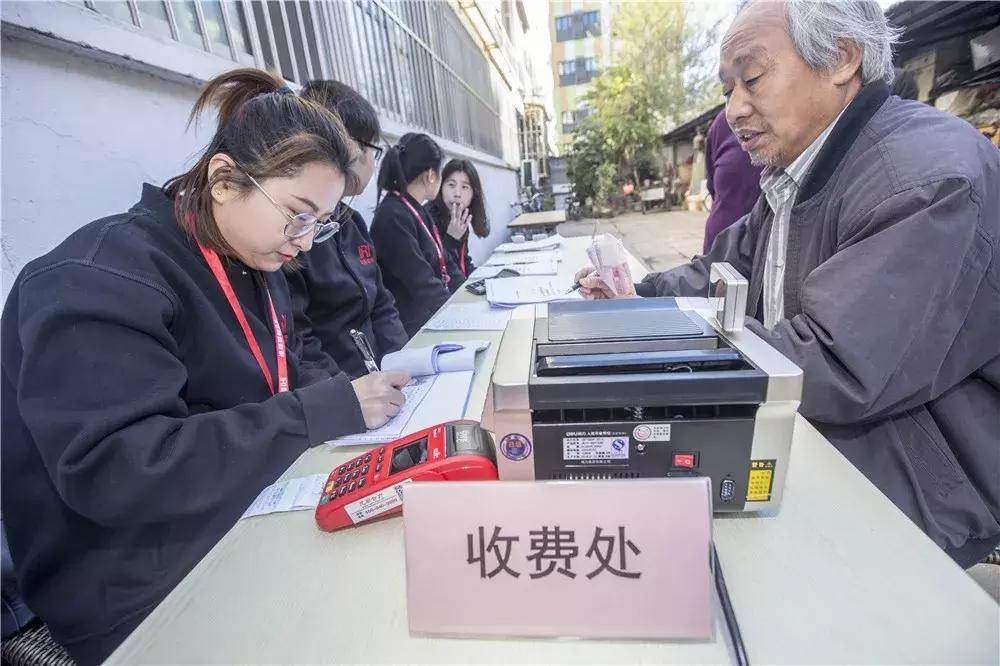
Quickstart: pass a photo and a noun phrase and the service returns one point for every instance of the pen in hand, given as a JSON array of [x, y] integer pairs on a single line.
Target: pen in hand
[[577, 285], [367, 355]]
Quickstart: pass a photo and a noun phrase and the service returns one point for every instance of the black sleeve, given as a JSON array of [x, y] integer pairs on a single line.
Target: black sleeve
[[453, 254], [400, 256], [104, 403], [453, 249], [469, 264], [314, 363], [390, 335]]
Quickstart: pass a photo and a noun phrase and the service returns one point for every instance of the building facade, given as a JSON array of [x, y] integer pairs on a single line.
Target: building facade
[[580, 31], [97, 94]]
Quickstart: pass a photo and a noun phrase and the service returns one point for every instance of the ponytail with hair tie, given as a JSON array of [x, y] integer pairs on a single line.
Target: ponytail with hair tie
[[403, 163], [264, 134]]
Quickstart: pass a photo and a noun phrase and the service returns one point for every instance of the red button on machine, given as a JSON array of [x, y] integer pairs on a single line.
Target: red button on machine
[[685, 460]]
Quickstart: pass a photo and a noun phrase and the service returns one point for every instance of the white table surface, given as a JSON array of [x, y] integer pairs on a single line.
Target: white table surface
[[837, 575]]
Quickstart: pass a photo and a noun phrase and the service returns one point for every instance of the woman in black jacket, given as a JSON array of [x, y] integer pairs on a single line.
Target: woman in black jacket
[[459, 205], [339, 286], [153, 382], [409, 246]]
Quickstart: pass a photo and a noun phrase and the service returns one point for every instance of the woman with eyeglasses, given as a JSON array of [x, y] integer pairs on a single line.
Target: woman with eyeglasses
[[339, 287], [411, 251], [152, 377]]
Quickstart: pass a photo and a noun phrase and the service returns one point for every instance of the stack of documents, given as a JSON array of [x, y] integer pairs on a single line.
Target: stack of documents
[[534, 268], [477, 316], [442, 376], [511, 292], [551, 243], [529, 257]]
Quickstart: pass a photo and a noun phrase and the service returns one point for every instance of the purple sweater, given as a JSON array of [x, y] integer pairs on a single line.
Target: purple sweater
[[732, 181]]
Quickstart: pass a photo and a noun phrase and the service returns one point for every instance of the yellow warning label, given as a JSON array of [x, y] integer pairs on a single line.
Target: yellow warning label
[[760, 481]]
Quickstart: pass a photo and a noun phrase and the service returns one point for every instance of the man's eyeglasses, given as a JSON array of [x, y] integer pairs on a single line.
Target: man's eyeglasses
[[303, 223], [376, 149]]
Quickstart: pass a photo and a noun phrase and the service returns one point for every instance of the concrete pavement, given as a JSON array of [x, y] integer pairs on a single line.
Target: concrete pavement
[[660, 239]]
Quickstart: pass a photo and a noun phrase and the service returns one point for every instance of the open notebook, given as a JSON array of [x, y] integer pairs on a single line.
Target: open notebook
[[442, 376]]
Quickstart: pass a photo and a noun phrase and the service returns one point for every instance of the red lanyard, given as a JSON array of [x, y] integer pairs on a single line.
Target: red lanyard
[[435, 238], [279, 339], [464, 250]]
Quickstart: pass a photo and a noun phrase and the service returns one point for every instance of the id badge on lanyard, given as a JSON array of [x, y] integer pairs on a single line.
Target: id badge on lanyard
[[214, 263], [435, 238]]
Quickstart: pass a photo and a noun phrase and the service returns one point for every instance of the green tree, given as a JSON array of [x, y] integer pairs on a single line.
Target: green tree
[[664, 75], [672, 54], [588, 152], [625, 110]]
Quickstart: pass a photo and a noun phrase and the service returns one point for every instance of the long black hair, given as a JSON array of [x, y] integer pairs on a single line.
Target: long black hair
[[412, 155], [477, 207]]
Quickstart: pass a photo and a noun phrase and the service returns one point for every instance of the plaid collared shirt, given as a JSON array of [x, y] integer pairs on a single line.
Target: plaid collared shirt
[[781, 186]]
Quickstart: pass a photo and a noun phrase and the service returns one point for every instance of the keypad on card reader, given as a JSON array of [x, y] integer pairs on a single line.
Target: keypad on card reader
[[351, 476]]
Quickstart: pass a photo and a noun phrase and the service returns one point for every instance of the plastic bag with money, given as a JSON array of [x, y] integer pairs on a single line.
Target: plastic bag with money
[[608, 256]]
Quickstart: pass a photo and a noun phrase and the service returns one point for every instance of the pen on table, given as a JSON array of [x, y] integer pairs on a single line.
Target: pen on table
[[577, 285], [361, 342]]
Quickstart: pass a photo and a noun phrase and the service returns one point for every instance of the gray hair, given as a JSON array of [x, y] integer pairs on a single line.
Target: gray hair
[[816, 27]]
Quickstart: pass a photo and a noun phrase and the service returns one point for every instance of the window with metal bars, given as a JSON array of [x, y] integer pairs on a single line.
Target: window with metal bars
[[413, 59]]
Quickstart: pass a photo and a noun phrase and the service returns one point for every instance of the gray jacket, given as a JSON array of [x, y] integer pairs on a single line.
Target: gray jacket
[[892, 306]]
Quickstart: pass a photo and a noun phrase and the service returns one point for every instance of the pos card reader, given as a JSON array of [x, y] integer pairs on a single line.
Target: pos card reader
[[645, 387], [371, 485]]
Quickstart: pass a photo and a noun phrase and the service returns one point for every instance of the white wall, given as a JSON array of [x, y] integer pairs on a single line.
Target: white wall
[[79, 136]]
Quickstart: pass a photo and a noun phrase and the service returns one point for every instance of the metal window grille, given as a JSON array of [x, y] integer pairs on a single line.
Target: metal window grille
[[413, 59], [531, 133]]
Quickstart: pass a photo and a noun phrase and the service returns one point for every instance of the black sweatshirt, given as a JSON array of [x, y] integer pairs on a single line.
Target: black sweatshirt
[[457, 250], [339, 287], [408, 258], [137, 426]]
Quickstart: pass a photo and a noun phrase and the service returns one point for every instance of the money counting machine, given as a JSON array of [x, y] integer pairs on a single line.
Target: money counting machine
[[645, 387]]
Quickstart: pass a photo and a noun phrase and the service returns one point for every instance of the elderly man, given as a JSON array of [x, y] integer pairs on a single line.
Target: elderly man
[[872, 260]]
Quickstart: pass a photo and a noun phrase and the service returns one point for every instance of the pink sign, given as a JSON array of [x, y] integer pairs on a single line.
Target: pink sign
[[598, 559]]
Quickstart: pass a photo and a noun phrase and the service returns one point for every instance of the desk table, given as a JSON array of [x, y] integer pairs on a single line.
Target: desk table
[[837, 575]]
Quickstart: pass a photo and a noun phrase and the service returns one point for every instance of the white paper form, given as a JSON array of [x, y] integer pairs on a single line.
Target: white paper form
[[515, 258], [511, 292], [290, 495], [529, 246], [477, 316], [534, 268], [414, 392], [444, 399], [445, 402]]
